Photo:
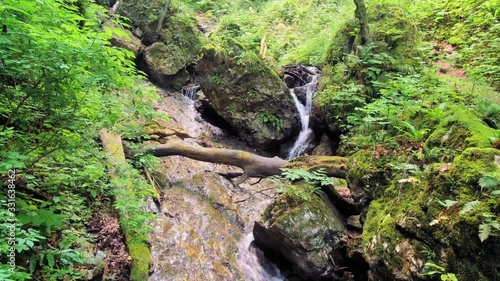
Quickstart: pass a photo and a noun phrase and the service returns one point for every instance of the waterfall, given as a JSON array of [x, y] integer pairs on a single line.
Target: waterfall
[[253, 267], [302, 141], [191, 91]]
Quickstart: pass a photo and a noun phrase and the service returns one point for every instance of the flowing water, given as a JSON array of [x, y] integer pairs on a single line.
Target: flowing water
[[191, 91], [202, 233], [253, 265], [303, 139]]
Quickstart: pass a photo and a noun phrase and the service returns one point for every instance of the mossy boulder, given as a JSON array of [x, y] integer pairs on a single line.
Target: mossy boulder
[[461, 130], [306, 232], [367, 175], [392, 30], [124, 38], [248, 95], [412, 223], [176, 46]]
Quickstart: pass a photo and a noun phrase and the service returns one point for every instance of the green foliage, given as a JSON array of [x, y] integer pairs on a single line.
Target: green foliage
[[490, 227], [473, 26], [431, 268], [413, 134], [488, 181], [275, 121], [489, 112], [295, 31], [313, 181], [61, 81]]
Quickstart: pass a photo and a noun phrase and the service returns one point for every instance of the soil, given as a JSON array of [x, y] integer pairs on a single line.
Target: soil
[[445, 68], [109, 239]]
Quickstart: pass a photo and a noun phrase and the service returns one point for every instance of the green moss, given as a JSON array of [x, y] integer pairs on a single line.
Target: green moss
[[365, 172], [342, 42], [475, 162], [307, 222], [141, 257], [461, 130]]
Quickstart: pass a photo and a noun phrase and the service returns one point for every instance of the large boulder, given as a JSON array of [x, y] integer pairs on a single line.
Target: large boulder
[[447, 215], [124, 38], [179, 46], [248, 95], [307, 233]]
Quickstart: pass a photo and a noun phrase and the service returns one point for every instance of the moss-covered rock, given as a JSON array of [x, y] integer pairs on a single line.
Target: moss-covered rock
[[412, 223], [306, 233], [176, 46], [124, 38], [461, 130], [248, 95], [367, 175]]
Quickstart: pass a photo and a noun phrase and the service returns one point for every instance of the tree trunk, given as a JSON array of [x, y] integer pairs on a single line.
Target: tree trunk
[[360, 14], [163, 16], [138, 249], [253, 165]]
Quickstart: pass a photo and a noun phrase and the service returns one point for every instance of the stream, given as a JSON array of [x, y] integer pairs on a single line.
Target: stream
[[200, 232], [304, 108]]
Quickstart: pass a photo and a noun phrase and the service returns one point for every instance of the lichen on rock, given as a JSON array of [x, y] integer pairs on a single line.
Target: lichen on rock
[[307, 233], [248, 95]]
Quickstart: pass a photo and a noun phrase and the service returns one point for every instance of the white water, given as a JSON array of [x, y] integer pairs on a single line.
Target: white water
[[250, 264], [301, 143], [191, 91]]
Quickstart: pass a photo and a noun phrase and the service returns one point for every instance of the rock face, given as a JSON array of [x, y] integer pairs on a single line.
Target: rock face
[[248, 95], [166, 60], [307, 233], [124, 39], [407, 226], [201, 215]]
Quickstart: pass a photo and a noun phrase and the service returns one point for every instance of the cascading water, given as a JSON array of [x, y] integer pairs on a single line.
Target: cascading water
[[302, 141], [253, 267], [191, 91], [193, 237]]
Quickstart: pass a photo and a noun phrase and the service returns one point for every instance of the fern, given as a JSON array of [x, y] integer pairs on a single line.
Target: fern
[[469, 206], [490, 227], [495, 192], [447, 203], [488, 181]]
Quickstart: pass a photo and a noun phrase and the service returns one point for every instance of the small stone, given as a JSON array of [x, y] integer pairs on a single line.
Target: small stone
[[355, 222]]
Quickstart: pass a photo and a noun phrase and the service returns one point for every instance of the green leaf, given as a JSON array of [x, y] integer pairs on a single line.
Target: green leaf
[[488, 181], [469, 206], [50, 259], [484, 231], [33, 260]]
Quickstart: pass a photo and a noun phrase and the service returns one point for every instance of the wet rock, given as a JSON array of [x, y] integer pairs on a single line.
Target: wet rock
[[290, 81], [192, 239], [249, 95], [306, 233], [301, 93], [324, 148]]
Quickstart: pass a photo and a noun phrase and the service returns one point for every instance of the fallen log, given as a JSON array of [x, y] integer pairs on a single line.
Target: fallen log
[[253, 165]]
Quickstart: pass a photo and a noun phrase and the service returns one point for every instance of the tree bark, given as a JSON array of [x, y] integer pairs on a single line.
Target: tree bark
[[163, 16], [253, 165], [138, 249], [360, 14]]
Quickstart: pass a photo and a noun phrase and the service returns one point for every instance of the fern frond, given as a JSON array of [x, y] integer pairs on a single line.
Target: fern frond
[[469, 206]]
